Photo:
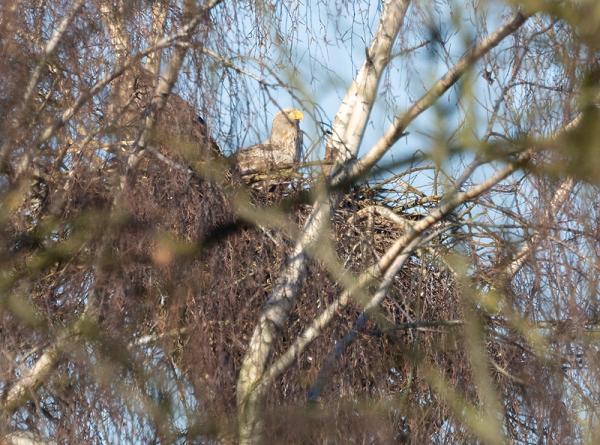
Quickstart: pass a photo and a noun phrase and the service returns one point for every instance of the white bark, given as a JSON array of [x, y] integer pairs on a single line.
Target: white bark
[[393, 259], [25, 438], [48, 51], [348, 129], [24, 388], [397, 128], [181, 35], [559, 198], [353, 115]]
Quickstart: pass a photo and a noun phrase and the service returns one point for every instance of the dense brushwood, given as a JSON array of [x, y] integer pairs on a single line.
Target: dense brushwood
[[177, 263]]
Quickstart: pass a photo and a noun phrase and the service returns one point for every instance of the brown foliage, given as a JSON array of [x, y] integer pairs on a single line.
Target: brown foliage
[[151, 277]]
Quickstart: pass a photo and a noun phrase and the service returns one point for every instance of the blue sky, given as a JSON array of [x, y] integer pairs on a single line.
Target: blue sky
[[321, 51], [330, 57]]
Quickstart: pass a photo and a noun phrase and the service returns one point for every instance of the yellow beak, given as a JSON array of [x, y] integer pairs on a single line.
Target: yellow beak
[[296, 115]]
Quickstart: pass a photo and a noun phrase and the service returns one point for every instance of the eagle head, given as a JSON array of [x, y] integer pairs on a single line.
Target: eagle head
[[286, 133]]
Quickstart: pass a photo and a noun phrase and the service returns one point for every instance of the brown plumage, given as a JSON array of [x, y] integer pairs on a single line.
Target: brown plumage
[[283, 148]]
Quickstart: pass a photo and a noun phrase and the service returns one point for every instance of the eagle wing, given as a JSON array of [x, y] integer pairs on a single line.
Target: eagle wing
[[258, 158], [281, 150]]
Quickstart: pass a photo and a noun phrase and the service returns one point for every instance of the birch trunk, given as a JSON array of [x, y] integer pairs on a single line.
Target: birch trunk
[[23, 389], [348, 130]]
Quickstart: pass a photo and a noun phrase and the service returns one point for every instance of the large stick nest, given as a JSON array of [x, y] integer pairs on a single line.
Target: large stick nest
[[174, 261]]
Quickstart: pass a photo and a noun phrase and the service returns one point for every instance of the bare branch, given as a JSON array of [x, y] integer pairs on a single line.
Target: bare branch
[[395, 131], [394, 258], [350, 123]]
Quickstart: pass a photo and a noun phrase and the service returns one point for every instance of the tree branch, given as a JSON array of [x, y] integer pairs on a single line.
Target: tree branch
[[393, 260], [349, 127], [396, 130]]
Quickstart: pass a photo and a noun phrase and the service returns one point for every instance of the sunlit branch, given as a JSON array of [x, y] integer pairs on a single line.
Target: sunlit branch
[[402, 248], [351, 117], [396, 130], [84, 98]]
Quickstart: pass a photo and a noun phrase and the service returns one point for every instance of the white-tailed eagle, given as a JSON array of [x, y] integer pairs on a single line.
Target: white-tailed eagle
[[282, 149]]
